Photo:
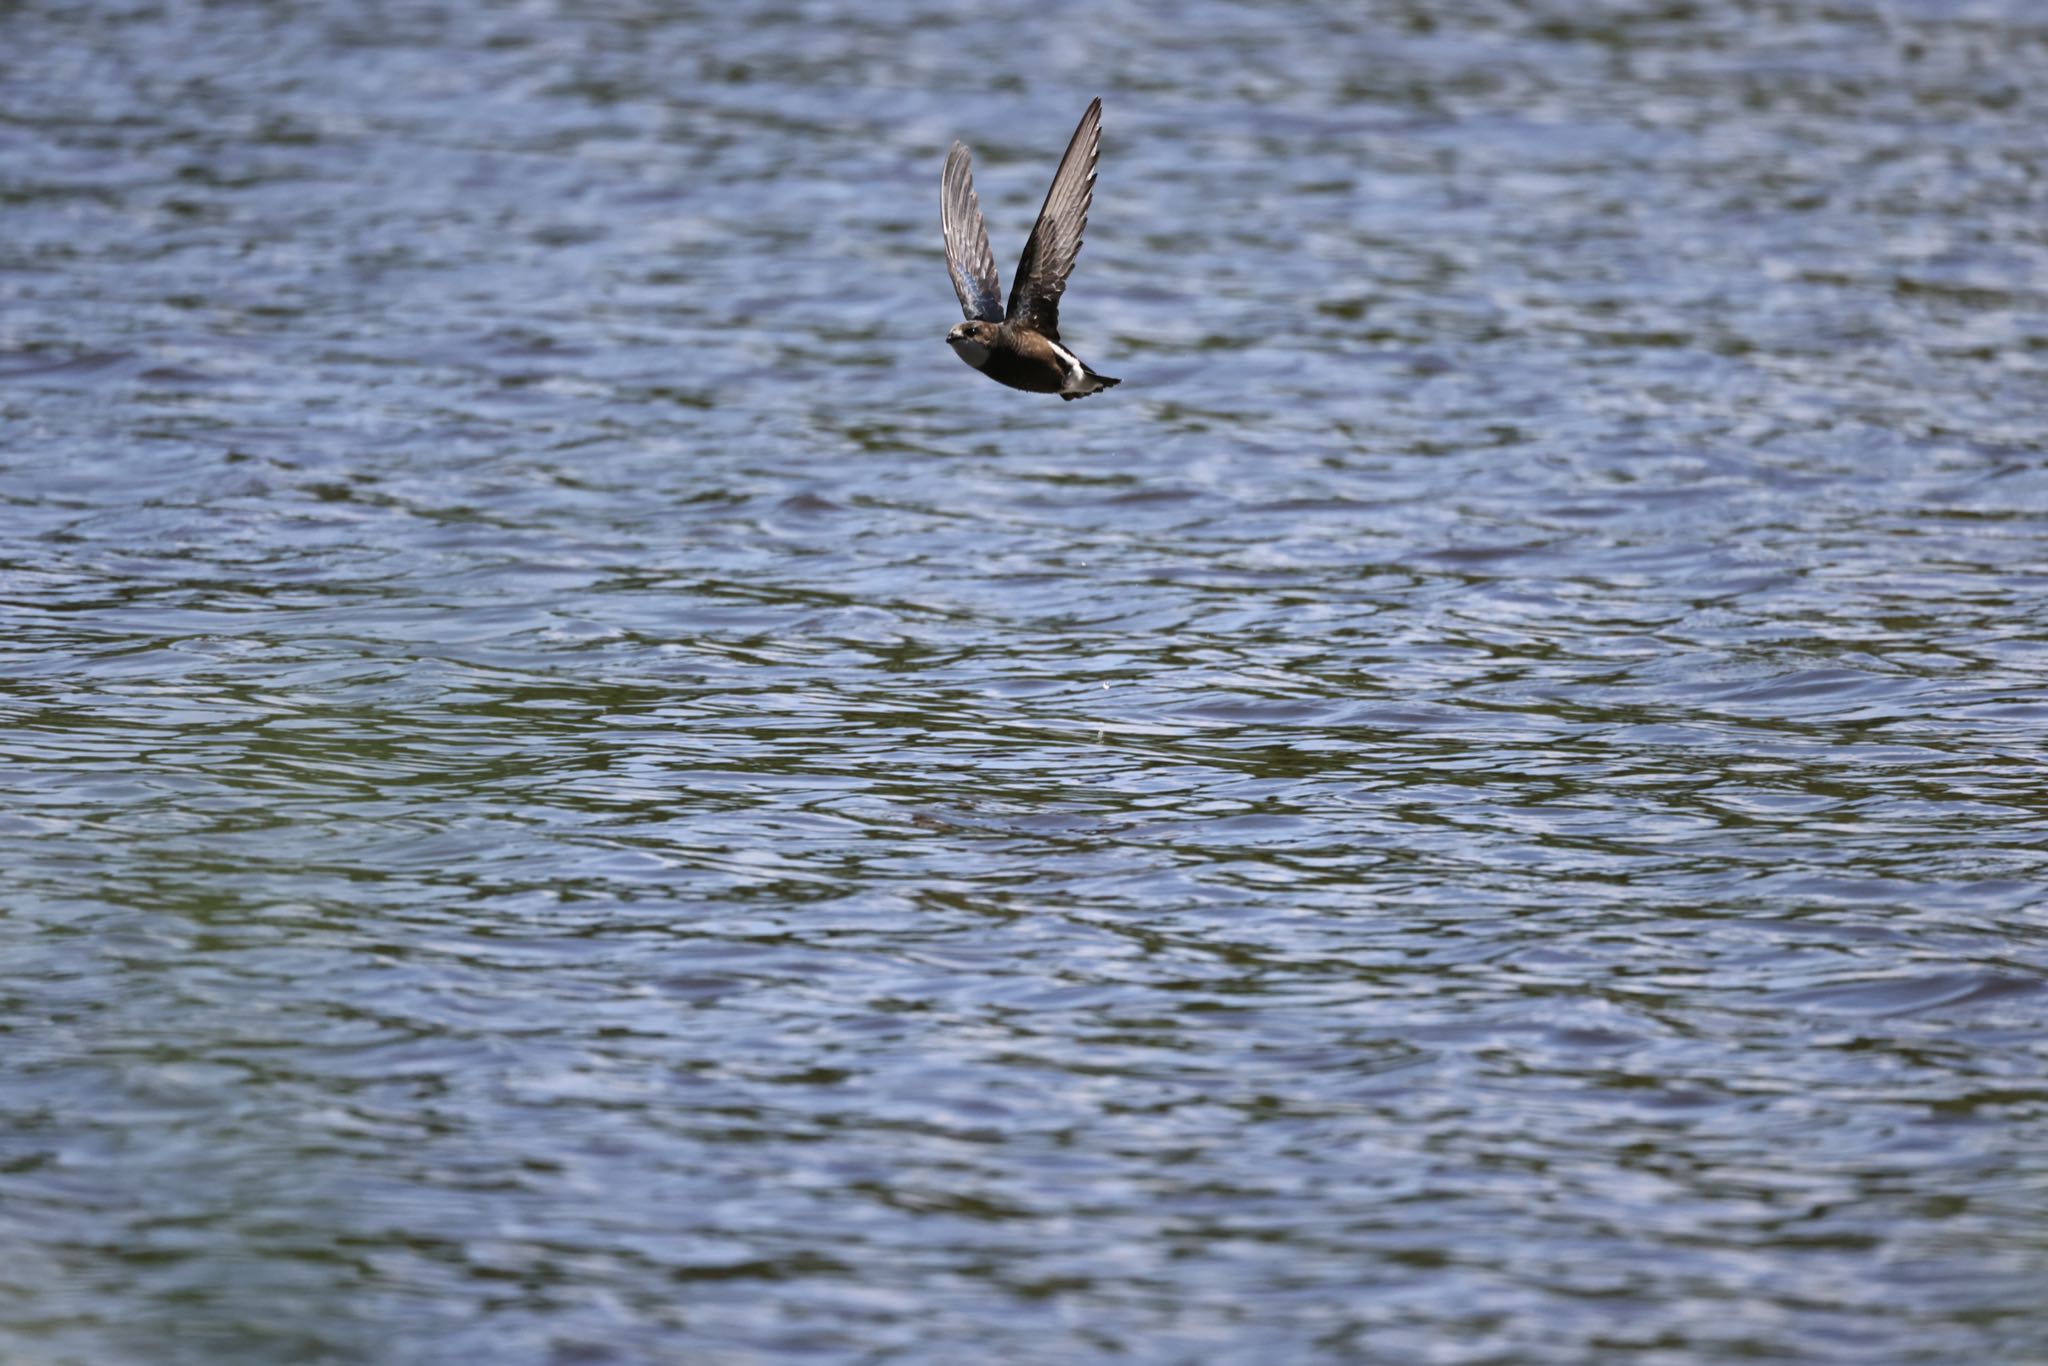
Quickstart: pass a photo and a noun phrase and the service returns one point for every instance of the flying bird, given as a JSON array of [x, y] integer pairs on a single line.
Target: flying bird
[[1020, 345]]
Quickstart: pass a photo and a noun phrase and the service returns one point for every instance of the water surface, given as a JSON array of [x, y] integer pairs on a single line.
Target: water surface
[[577, 790]]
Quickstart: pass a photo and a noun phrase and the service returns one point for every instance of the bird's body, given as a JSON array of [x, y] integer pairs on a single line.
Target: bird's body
[[1020, 345], [1027, 359]]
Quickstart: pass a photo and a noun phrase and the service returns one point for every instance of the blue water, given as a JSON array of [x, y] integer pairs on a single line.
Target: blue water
[[575, 789]]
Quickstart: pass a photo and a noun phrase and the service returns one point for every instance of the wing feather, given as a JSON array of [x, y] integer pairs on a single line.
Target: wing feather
[[968, 259], [1056, 238]]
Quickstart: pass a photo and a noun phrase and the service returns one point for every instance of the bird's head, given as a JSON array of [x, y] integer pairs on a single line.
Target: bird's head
[[972, 341]]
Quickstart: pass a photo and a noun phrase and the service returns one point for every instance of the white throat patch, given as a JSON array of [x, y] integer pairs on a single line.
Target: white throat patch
[[975, 353]]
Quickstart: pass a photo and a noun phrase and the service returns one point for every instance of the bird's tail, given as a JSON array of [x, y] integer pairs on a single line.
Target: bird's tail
[[1091, 383]]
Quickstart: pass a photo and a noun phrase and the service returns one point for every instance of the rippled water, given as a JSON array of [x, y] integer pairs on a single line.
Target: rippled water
[[577, 790]]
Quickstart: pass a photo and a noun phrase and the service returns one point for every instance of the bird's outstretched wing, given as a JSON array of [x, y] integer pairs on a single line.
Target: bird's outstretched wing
[[968, 259], [1056, 237]]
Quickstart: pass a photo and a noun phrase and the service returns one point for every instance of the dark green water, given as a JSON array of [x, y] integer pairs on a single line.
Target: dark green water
[[575, 789]]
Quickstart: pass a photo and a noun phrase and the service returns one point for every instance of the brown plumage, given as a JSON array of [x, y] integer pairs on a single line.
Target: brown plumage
[[1020, 345]]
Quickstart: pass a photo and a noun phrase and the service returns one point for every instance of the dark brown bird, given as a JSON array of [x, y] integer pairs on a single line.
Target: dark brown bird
[[1021, 346]]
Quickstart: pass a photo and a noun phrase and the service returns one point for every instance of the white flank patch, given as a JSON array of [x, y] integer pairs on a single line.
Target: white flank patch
[[1076, 372]]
